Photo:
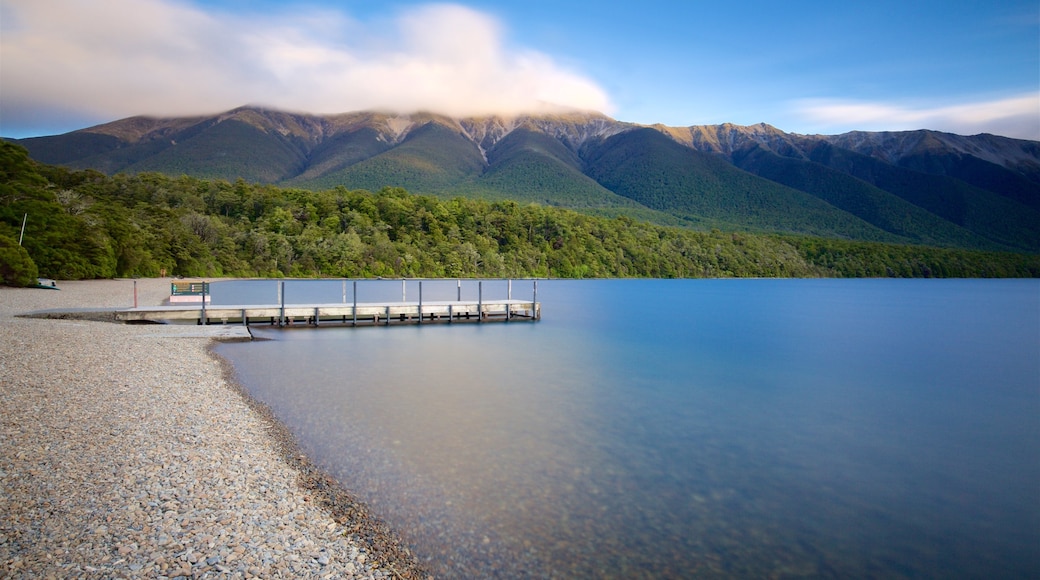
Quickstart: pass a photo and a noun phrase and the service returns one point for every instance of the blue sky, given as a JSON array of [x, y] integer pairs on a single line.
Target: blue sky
[[803, 66]]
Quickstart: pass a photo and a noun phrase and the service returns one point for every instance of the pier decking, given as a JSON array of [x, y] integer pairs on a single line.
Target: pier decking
[[350, 314]]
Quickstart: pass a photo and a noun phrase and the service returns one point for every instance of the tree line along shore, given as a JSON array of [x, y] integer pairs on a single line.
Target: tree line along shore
[[66, 224]]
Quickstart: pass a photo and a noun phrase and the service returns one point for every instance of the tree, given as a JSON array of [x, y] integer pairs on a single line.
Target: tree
[[16, 267]]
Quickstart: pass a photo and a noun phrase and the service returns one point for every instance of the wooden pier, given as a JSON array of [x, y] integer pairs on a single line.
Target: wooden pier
[[345, 314]]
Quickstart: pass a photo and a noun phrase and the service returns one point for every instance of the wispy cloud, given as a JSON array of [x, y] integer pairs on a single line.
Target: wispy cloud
[[127, 57], [1017, 116]]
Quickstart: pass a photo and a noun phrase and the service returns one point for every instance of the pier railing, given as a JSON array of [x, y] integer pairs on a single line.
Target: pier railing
[[417, 305]]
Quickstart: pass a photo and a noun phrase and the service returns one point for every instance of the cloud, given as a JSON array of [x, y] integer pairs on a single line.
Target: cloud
[[1017, 116], [68, 58]]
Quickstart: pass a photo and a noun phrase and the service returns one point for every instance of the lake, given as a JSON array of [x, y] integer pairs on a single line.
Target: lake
[[683, 428]]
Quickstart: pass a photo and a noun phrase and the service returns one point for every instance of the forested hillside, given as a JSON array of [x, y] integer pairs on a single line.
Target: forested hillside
[[84, 224], [978, 192]]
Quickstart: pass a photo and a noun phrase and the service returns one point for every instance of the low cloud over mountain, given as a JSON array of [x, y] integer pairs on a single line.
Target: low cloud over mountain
[[163, 57]]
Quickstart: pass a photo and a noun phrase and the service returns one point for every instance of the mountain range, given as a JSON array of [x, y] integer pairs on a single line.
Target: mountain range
[[921, 187]]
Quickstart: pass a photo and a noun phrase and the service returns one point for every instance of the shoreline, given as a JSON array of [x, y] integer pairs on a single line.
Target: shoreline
[[345, 508], [133, 451]]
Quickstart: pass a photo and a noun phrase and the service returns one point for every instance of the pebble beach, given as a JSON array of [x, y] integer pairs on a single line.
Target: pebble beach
[[128, 451]]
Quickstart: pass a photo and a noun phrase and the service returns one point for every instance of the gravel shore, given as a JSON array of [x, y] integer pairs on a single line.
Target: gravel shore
[[127, 451]]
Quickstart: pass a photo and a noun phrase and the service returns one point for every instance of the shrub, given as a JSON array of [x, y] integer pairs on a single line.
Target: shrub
[[16, 267]]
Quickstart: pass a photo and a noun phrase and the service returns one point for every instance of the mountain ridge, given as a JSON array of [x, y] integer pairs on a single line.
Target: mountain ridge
[[923, 186]]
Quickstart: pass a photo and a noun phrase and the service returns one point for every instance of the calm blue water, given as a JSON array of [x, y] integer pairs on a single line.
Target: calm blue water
[[650, 428]]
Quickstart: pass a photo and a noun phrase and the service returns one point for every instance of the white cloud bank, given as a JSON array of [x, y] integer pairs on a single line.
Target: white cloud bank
[[66, 59], [1017, 116]]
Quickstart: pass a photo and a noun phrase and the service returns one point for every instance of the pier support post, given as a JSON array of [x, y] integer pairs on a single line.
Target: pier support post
[[480, 301], [534, 302], [420, 301], [355, 303], [204, 302], [281, 300]]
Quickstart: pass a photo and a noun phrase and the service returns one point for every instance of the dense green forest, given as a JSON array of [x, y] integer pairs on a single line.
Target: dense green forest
[[84, 224]]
